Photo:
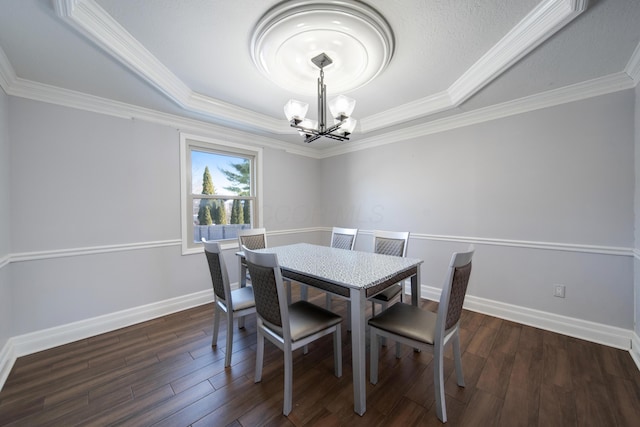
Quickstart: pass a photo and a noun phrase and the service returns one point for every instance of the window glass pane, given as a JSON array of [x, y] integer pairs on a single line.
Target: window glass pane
[[228, 217], [225, 175], [219, 190]]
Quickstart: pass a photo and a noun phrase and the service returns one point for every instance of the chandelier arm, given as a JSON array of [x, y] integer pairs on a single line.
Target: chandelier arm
[[336, 137], [311, 138]]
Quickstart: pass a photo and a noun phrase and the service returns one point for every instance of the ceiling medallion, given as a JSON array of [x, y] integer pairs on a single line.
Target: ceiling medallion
[[355, 36]]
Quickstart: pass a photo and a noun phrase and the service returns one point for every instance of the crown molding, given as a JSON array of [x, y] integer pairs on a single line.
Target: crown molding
[[87, 17], [78, 100], [576, 92], [97, 25], [7, 73], [633, 66], [540, 24], [16, 86]]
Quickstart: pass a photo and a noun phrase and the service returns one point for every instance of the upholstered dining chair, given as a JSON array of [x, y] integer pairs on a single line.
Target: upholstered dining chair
[[256, 238], [389, 243], [423, 329], [289, 327], [235, 304], [342, 238], [252, 238]]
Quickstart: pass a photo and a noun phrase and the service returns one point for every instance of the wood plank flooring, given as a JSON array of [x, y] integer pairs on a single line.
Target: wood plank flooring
[[165, 373]]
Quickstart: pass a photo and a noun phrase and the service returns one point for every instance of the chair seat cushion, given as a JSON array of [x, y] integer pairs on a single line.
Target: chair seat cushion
[[407, 321], [242, 298], [307, 319], [388, 294]]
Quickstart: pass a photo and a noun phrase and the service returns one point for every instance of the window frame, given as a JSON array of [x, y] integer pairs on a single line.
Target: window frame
[[190, 142]]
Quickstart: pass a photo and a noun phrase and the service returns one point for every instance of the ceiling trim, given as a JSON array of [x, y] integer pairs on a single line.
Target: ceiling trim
[[93, 22], [16, 86], [540, 24], [97, 25], [633, 66], [596, 87], [7, 73]]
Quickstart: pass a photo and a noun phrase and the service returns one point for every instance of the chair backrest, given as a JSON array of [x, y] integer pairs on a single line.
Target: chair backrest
[[391, 242], [268, 291], [344, 238], [252, 238], [218, 270], [454, 290]]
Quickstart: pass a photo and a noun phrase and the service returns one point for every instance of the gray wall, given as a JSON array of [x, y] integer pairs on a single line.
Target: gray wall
[[5, 237], [83, 180], [562, 175]]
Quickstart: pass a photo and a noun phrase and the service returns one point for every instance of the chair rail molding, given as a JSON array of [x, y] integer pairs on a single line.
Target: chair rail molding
[[527, 244], [553, 246]]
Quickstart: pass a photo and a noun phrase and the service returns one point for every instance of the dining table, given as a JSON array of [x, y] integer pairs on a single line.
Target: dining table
[[354, 275]]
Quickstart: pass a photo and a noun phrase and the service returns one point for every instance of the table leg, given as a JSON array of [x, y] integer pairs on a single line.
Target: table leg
[[358, 346], [243, 282], [242, 279], [415, 298], [415, 288]]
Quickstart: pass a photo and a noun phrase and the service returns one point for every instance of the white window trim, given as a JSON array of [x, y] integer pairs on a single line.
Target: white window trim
[[190, 140]]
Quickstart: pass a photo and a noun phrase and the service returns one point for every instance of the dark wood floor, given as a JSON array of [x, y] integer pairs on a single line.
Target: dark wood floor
[[164, 372]]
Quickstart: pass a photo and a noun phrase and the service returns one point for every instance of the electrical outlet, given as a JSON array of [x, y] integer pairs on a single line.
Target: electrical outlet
[[559, 291]]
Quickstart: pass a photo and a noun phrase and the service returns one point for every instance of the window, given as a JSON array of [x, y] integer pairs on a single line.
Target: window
[[219, 188]]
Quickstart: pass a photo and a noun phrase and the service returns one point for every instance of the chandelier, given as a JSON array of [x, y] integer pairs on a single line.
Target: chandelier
[[341, 108], [295, 38]]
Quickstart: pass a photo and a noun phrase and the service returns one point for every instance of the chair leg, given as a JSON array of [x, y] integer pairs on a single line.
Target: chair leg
[[259, 357], [229, 349], [328, 301], [287, 284], [304, 292], [458, 359], [383, 340], [438, 382], [288, 380], [337, 351], [241, 322], [373, 364], [216, 325]]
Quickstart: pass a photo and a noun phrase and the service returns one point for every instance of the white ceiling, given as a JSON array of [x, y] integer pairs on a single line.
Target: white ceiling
[[192, 58]]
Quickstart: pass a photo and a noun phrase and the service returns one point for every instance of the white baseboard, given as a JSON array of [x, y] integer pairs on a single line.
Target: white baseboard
[[577, 328], [7, 359], [635, 349], [33, 342], [23, 345]]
